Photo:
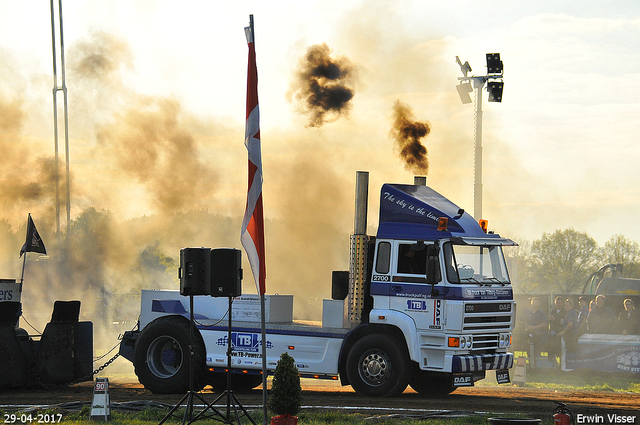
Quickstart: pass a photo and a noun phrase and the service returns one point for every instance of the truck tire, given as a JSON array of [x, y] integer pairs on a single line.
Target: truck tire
[[161, 357], [431, 384], [377, 366]]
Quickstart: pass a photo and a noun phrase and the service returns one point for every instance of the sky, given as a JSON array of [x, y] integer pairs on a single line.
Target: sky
[[157, 92]]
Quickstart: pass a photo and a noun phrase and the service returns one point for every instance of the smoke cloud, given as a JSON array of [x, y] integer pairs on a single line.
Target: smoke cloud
[[407, 133], [324, 85], [151, 143], [99, 56], [28, 176], [126, 149]]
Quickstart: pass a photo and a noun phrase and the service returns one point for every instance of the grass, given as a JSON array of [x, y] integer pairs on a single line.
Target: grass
[[582, 380], [578, 380]]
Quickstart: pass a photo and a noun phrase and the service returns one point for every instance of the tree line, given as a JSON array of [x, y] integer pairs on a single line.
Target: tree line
[[561, 262]]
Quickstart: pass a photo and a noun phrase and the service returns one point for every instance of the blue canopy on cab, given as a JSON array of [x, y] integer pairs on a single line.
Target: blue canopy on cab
[[413, 212]]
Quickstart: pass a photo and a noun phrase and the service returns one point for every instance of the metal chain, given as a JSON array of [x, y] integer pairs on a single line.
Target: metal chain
[[104, 366], [95, 372]]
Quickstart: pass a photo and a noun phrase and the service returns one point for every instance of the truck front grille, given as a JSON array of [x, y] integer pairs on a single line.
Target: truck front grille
[[482, 342], [487, 316], [492, 322]]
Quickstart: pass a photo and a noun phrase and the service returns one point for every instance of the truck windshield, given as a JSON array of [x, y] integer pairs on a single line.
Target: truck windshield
[[475, 264]]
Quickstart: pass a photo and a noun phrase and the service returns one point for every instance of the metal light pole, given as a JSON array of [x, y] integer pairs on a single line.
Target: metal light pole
[[477, 163], [62, 88], [494, 76]]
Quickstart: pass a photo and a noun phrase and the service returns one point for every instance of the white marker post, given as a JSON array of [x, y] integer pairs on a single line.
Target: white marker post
[[520, 376], [101, 406]]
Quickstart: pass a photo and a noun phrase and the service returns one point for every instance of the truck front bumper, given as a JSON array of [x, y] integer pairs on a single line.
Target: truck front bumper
[[476, 363]]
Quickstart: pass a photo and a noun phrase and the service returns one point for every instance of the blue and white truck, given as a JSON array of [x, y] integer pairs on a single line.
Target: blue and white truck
[[427, 302]]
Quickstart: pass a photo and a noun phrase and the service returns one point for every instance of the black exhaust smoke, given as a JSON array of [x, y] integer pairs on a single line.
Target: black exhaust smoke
[[323, 85], [407, 133]]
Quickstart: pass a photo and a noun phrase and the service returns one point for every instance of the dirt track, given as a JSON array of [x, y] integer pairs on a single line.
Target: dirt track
[[327, 395]]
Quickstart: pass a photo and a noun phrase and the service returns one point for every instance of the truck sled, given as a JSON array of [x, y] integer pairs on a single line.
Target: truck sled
[[61, 355]]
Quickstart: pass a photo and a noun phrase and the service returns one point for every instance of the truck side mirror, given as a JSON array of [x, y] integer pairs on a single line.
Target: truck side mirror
[[432, 265]]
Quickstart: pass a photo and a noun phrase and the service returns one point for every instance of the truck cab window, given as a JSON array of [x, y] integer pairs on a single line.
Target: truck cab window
[[412, 259], [451, 265], [475, 264], [383, 259]]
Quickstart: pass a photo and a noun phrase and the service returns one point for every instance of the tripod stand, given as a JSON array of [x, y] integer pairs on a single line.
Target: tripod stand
[[232, 401], [188, 397]]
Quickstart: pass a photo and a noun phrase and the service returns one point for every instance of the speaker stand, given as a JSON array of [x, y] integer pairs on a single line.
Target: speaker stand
[[187, 399], [232, 401]]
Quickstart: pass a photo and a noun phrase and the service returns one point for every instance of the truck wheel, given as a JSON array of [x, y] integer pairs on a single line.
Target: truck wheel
[[161, 357], [378, 367], [431, 384]]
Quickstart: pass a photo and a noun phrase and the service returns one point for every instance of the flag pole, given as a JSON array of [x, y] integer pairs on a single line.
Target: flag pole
[[264, 359], [24, 260], [262, 309], [252, 235]]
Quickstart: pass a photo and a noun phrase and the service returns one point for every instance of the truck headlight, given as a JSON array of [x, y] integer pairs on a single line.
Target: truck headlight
[[466, 342], [505, 340], [462, 342]]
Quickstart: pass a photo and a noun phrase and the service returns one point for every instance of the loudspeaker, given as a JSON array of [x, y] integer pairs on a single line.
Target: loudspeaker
[[195, 271], [65, 312], [339, 285], [10, 312], [226, 272]]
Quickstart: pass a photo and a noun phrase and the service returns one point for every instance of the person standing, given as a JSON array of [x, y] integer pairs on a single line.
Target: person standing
[[556, 315], [570, 327], [629, 319], [583, 313], [536, 325], [601, 319], [555, 326]]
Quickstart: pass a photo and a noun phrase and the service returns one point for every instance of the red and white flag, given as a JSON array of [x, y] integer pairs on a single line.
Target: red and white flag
[[252, 236]]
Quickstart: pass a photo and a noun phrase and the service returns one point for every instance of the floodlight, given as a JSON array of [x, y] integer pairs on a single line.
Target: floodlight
[[495, 91], [494, 64], [463, 91]]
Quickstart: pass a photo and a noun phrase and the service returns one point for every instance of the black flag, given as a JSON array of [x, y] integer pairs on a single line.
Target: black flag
[[34, 241]]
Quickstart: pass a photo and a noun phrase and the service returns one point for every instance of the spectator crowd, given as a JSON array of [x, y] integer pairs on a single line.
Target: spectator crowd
[[568, 321]]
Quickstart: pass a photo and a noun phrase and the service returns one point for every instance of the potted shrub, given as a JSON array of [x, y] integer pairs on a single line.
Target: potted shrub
[[286, 393]]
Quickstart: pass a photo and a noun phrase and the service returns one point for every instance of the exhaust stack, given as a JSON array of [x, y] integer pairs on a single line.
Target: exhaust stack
[[358, 251], [420, 180]]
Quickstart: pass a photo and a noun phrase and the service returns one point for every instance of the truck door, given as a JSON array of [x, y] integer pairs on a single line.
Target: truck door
[[409, 291]]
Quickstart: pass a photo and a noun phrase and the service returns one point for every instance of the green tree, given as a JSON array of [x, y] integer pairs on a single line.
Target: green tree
[[562, 261], [519, 261], [286, 393], [620, 250], [155, 269]]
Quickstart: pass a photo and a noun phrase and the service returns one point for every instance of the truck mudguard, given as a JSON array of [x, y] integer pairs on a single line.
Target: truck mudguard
[[404, 323]]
